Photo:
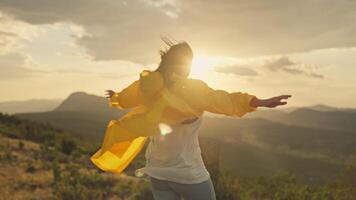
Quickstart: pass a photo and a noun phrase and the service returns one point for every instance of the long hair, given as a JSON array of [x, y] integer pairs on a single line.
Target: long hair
[[173, 54]]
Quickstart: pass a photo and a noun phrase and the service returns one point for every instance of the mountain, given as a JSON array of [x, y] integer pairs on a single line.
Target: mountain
[[87, 103], [40, 162], [333, 120], [308, 142], [32, 105], [80, 113], [322, 107], [246, 160], [253, 147], [319, 116]]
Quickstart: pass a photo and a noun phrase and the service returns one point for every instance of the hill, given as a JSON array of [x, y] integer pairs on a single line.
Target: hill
[[318, 116], [32, 105], [253, 147], [82, 114], [38, 161], [274, 141]]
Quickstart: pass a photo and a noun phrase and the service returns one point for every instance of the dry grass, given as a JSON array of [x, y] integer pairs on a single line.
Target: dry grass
[[24, 177], [15, 182]]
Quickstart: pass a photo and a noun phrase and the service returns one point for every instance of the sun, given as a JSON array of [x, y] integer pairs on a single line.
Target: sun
[[202, 66]]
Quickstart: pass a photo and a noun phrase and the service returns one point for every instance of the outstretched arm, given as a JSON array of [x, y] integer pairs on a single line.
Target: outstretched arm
[[235, 104], [231, 103], [271, 102], [126, 98]]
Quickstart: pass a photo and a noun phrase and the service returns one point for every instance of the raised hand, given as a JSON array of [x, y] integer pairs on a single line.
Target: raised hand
[[109, 93], [276, 101], [271, 102]]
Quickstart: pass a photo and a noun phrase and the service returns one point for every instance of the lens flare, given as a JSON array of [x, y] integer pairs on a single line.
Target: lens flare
[[139, 173], [164, 129], [202, 66]]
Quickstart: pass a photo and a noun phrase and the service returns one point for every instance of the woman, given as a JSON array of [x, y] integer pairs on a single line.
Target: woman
[[167, 107]]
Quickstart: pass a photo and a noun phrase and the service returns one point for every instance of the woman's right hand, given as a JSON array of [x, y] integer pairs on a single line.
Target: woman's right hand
[[109, 93]]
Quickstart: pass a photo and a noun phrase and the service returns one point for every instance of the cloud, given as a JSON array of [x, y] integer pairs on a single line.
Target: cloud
[[17, 66], [95, 73], [113, 29], [279, 63], [286, 65], [11, 31], [6, 37], [169, 7], [236, 69], [6, 40], [130, 30]]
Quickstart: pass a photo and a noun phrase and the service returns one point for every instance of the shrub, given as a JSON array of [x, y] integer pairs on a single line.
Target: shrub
[[30, 168], [68, 146], [21, 145]]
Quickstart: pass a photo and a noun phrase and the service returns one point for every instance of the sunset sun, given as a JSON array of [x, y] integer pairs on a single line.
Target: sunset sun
[[177, 99], [202, 65]]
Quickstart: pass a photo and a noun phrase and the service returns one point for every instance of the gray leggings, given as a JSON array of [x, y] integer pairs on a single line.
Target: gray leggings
[[167, 190]]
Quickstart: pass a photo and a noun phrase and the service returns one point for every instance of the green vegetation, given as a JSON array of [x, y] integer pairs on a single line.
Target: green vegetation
[[38, 161], [254, 147], [284, 186], [71, 184], [60, 163]]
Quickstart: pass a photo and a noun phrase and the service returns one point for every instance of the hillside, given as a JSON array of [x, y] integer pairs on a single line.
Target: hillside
[[253, 147], [32, 105], [319, 137], [38, 161], [332, 144], [87, 103], [82, 114], [318, 116]]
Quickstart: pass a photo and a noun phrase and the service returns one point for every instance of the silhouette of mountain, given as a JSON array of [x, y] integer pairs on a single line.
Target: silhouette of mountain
[[319, 116], [334, 120], [84, 114], [253, 147], [32, 105], [309, 142], [322, 107], [83, 102], [334, 144]]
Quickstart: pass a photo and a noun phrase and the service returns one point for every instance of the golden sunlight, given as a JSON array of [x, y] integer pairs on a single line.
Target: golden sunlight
[[202, 65]]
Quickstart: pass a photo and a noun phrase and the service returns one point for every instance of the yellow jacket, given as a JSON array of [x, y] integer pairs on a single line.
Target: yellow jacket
[[153, 103]]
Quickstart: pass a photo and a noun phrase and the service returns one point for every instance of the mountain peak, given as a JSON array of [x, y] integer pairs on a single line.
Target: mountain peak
[[78, 93], [322, 107], [82, 101], [81, 94]]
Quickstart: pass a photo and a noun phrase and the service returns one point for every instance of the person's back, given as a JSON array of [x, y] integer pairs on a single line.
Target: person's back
[[167, 98], [176, 156], [175, 166]]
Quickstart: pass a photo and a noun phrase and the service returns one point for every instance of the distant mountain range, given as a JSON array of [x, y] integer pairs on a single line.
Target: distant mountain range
[[32, 105], [311, 141], [80, 113], [251, 147], [318, 116]]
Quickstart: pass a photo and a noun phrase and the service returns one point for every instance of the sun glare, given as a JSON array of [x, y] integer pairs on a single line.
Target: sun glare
[[201, 66]]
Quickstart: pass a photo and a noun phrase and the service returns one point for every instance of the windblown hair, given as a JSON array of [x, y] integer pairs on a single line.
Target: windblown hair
[[173, 53]]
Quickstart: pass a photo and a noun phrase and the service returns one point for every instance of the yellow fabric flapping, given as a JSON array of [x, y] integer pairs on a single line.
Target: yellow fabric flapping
[[119, 156], [153, 103]]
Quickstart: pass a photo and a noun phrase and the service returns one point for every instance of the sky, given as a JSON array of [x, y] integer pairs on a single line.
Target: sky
[[306, 48]]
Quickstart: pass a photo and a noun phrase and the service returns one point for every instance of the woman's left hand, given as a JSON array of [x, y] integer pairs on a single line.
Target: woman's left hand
[[271, 102], [109, 93]]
